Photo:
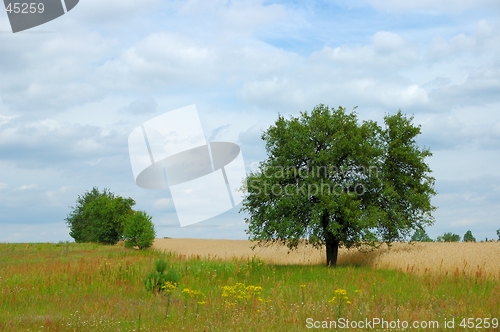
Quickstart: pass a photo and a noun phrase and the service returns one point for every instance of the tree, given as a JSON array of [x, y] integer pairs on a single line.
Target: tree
[[468, 237], [420, 235], [334, 182], [139, 230], [449, 237], [498, 234], [99, 217]]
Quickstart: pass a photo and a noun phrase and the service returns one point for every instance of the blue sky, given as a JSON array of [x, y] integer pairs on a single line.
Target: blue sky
[[72, 90]]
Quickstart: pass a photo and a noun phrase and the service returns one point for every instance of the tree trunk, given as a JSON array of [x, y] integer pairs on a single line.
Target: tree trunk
[[332, 251], [332, 244]]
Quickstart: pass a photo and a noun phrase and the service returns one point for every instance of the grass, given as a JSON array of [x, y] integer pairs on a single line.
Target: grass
[[87, 287]]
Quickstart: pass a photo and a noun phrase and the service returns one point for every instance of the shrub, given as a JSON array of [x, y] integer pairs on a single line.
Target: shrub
[[157, 278], [468, 237], [139, 230], [448, 237], [99, 217], [420, 235]]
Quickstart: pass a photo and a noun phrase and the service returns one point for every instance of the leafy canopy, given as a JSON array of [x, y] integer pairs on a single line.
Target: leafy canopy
[[334, 181], [421, 235], [449, 237], [468, 237], [99, 217], [139, 230]]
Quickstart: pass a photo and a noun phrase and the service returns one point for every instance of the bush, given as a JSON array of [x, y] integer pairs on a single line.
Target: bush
[[157, 278], [139, 230], [99, 217], [449, 237], [468, 237], [420, 235]]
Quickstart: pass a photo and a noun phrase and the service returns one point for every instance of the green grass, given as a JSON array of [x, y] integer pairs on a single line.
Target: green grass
[[87, 287]]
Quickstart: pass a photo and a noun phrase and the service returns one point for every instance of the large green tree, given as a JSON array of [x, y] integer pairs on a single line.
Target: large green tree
[[99, 217], [336, 182]]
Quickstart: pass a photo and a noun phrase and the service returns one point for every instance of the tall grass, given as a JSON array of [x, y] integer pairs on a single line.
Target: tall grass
[[82, 287], [472, 259]]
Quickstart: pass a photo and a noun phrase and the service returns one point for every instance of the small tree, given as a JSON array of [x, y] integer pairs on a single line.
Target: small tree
[[498, 234], [420, 235], [448, 237], [468, 237], [139, 230], [99, 217]]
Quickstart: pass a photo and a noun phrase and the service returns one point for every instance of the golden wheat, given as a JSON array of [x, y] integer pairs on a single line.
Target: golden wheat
[[474, 259]]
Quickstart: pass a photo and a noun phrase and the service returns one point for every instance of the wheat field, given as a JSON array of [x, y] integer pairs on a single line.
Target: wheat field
[[474, 259]]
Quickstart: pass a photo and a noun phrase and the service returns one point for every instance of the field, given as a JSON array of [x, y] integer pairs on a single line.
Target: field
[[225, 286], [472, 259]]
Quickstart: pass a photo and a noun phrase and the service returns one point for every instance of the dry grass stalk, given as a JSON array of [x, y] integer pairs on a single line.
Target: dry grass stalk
[[474, 259]]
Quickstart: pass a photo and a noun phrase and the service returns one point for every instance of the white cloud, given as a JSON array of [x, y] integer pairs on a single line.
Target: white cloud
[[26, 187], [275, 91], [432, 6], [46, 124], [387, 42], [4, 119], [58, 197], [163, 203], [229, 20], [46, 232], [69, 99]]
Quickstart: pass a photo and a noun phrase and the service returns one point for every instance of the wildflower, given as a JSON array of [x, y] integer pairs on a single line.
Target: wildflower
[[241, 292], [169, 286], [341, 292], [302, 286]]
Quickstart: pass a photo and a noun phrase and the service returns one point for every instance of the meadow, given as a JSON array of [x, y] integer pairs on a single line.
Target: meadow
[[90, 287]]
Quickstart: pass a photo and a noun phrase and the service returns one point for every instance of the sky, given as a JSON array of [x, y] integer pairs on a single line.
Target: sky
[[73, 89]]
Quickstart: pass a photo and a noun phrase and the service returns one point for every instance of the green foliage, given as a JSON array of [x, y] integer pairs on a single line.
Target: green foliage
[[448, 237], [157, 278], [139, 230], [468, 237], [99, 217], [333, 181], [498, 234], [420, 235]]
